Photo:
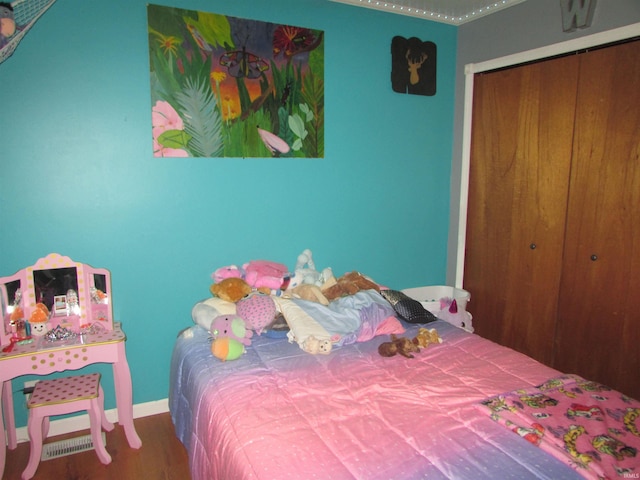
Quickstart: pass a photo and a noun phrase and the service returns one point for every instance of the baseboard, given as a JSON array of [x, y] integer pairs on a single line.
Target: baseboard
[[81, 422]]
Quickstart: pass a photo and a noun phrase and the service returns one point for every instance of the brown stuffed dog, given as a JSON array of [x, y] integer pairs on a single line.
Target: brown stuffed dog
[[398, 345], [349, 284]]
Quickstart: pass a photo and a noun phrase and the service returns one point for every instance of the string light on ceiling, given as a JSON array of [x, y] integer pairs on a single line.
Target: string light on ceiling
[[454, 12]]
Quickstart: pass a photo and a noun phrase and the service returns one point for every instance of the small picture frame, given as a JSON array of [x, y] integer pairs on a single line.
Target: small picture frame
[[59, 304]]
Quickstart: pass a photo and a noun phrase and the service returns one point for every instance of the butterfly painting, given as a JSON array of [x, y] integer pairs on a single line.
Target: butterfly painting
[[224, 86], [243, 64]]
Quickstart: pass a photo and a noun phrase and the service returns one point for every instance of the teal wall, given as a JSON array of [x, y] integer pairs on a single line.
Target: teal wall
[[77, 175]]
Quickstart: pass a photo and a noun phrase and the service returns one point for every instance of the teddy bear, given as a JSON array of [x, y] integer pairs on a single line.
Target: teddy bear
[[314, 345], [349, 284], [231, 326], [231, 289], [401, 345], [426, 337]]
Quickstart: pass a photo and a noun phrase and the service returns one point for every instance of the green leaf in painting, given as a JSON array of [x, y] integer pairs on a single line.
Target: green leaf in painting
[[202, 120], [213, 28], [174, 139], [296, 124]]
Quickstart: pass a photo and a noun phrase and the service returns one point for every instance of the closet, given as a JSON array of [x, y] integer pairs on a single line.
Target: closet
[[552, 253]]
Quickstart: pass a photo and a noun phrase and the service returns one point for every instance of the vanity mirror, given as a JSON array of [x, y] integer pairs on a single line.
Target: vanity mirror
[[75, 295]]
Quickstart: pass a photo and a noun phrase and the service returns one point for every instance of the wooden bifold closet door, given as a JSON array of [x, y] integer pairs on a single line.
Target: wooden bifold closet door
[[553, 230]]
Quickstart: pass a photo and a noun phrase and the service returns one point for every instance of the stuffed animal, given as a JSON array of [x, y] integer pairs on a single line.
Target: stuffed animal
[[7, 23], [231, 271], [398, 345], [231, 326], [257, 310], [449, 313], [263, 274], [203, 313], [349, 284], [226, 348], [307, 292], [426, 337], [306, 273], [231, 289], [314, 345]]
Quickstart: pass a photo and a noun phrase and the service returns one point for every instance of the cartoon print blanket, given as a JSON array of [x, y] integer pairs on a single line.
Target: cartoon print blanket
[[589, 426]]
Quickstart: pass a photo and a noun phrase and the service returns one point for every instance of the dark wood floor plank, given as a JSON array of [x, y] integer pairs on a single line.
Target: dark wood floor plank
[[161, 456]]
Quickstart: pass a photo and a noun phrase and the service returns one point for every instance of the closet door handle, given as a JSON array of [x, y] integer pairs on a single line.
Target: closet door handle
[[533, 246], [594, 257]]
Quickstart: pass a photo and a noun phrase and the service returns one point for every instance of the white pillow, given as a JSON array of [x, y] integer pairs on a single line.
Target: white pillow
[[205, 311]]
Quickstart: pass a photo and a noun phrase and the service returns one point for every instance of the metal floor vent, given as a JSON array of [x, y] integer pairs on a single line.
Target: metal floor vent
[[62, 448]]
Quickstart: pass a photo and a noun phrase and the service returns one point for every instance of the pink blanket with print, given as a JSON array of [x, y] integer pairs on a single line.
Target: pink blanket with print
[[585, 424]]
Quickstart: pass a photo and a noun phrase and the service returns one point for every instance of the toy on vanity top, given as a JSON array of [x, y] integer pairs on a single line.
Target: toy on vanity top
[[39, 320], [306, 273], [426, 337], [226, 348], [257, 310], [231, 326], [449, 313], [398, 345], [7, 23], [266, 276], [231, 289], [314, 345]]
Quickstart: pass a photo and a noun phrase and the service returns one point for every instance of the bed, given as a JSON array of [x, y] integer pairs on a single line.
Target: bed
[[278, 412]]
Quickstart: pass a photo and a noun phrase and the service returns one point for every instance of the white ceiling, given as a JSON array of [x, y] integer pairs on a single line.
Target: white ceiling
[[454, 12]]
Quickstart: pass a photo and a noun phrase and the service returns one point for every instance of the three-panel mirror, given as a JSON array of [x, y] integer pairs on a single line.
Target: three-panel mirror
[[55, 291]]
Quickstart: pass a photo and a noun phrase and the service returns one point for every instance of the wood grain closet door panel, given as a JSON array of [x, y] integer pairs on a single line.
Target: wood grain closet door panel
[[519, 170], [599, 310]]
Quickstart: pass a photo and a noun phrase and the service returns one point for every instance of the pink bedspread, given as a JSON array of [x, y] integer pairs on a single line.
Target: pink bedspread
[[279, 413]]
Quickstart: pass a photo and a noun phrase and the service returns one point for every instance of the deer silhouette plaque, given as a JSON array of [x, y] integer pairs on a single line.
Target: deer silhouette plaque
[[413, 66]]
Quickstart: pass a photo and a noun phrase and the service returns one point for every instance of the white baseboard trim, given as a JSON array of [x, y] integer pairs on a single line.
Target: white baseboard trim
[[81, 422]]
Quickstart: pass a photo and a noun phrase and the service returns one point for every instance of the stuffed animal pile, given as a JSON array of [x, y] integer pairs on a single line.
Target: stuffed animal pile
[[243, 302], [247, 300]]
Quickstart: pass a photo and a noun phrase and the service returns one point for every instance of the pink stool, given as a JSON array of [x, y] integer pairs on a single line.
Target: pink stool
[[61, 396]]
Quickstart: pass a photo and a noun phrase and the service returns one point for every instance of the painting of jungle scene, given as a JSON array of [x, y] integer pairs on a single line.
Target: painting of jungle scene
[[223, 86]]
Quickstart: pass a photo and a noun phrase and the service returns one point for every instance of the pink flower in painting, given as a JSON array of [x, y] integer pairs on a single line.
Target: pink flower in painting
[[163, 118]]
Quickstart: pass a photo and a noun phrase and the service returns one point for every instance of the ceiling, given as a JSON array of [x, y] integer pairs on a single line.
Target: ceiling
[[453, 12]]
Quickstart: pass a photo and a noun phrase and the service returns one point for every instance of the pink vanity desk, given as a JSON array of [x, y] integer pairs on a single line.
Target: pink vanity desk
[[106, 343]]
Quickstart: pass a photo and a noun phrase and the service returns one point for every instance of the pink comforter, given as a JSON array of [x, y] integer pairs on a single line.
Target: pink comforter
[[278, 412]]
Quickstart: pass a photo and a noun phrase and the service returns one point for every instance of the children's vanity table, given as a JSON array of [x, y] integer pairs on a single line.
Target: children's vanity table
[[56, 316]]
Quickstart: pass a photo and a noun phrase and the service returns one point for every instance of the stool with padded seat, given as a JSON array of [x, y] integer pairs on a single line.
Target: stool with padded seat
[[62, 396]]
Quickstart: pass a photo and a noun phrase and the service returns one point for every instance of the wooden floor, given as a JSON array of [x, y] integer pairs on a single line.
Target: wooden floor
[[161, 456]]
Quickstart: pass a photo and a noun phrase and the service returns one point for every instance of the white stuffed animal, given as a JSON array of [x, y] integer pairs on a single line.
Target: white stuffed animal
[[306, 273], [450, 313]]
